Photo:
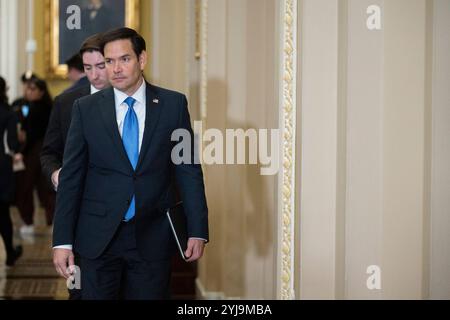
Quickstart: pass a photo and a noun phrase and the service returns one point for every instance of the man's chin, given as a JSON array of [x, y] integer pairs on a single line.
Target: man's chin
[[101, 87], [119, 85]]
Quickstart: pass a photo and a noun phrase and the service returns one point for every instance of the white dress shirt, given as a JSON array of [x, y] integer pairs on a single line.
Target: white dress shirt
[[139, 108], [94, 89]]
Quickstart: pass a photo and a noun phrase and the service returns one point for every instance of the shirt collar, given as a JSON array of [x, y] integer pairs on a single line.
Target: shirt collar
[[139, 95], [94, 89]]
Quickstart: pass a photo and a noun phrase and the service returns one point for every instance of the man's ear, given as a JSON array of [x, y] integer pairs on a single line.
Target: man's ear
[[143, 60]]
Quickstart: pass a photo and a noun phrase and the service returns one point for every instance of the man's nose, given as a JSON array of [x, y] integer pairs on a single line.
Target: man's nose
[[117, 68]]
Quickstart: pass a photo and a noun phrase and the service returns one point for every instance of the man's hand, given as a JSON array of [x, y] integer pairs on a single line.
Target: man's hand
[[55, 179], [62, 259], [195, 248], [18, 157]]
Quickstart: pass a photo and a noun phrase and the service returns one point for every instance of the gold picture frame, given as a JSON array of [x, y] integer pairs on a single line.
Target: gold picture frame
[[55, 69]]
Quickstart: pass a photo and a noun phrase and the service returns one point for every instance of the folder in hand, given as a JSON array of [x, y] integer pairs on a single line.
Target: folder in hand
[[178, 223]]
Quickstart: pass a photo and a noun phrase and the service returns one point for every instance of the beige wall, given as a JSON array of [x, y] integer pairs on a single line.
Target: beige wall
[[405, 111], [319, 101], [242, 93], [169, 44], [21, 42], [440, 200], [365, 139], [364, 132], [9, 28], [367, 135]]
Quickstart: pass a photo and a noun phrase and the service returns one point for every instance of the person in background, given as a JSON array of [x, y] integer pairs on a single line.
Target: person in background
[[76, 73], [21, 101], [33, 131], [21, 107], [55, 138], [8, 146]]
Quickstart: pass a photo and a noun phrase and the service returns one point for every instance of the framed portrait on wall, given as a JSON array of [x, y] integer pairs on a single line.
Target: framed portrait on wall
[[70, 22]]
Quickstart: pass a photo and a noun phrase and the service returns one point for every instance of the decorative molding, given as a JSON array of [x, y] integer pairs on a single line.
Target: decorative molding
[[204, 60], [287, 188]]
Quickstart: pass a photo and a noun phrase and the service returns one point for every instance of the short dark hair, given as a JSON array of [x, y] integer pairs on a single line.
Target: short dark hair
[[91, 44], [136, 39], [42, 86], [75, 62]]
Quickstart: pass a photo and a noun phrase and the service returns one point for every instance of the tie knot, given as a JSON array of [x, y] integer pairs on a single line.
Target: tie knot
[[130, 101]]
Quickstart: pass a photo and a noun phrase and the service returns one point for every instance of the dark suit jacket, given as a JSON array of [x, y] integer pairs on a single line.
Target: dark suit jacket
[[82, 83], [58, 127], [8, 124], [97, 181]]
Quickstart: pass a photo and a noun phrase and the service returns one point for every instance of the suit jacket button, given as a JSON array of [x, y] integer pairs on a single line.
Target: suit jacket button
[[134, 177]]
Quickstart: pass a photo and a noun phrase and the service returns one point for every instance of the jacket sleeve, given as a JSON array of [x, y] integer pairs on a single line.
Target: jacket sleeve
[[189, 179], [71, 181], [53, 147], [12, 140]]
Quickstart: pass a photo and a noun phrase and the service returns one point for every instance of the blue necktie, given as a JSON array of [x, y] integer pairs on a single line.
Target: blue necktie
[[130, 138]]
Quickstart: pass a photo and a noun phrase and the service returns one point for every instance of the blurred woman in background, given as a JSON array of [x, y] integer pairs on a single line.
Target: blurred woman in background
[[8, 146], [32, 135]]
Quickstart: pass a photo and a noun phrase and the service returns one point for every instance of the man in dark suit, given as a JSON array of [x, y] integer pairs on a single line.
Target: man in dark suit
[[55, 138], [116, 182], [58, 127]]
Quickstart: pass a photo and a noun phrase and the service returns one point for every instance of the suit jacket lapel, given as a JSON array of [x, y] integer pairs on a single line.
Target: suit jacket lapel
[[85, 91], [153, 110], [108, 111]]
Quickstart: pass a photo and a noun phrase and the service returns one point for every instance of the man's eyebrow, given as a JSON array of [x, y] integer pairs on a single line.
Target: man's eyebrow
[[121, 57]]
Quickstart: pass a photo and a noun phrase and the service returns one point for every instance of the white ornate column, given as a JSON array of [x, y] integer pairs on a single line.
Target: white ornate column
[[286, 180], [8, 44]]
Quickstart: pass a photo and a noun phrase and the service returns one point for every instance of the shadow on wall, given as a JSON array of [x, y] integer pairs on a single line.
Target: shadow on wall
[[241, 205]]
